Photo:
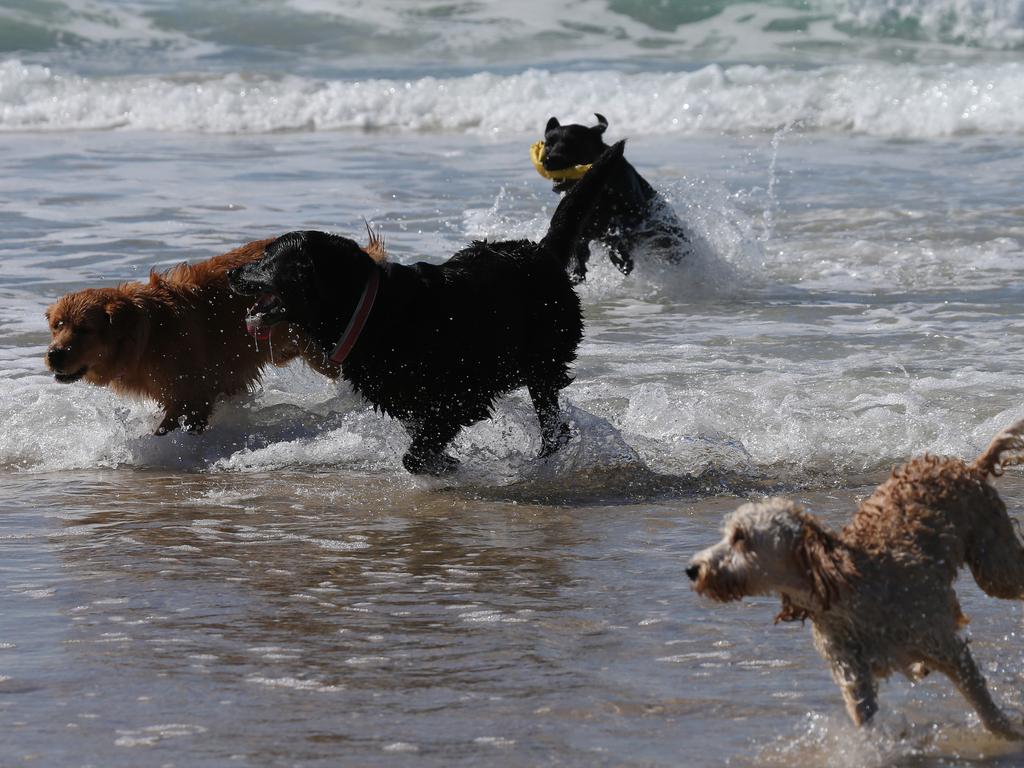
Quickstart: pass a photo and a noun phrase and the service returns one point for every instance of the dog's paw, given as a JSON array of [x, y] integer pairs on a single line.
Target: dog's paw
[[622, 261], [437, 464], [554, 443]]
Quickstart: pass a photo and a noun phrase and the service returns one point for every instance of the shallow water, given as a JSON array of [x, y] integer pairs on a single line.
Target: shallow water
[[290, 618], [278, 591]]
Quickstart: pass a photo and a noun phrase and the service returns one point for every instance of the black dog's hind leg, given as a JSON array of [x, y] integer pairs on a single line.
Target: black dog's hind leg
[[426, 454], [554, 430]]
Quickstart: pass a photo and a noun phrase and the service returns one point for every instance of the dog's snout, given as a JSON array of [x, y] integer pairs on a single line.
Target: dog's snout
[[552, 158], [245, 280], [693, 572], [237, 281], [55, 356]]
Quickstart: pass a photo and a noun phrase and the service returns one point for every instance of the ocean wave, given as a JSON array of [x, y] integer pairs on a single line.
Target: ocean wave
[[993, 24], [897, 101], [803, 425], [306, 35]]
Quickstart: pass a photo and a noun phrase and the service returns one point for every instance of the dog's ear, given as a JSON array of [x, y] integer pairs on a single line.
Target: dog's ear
[[552, 124], [115, 310], [121, 312], [818, 557], [602, 124], [375, 244], [129, 326]]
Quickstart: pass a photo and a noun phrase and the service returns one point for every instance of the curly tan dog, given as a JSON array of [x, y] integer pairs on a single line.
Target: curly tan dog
[[879, 593], [179, 338]]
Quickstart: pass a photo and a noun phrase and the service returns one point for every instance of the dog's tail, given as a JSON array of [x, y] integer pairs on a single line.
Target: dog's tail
[[1006, 449], [576, 207]]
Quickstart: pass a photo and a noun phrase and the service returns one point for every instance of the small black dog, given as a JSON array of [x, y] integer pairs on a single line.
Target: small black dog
[[434, 345], [629, 212]]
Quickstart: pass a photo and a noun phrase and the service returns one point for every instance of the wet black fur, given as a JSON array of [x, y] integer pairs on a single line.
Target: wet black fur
[[443, 341], [629, 212]]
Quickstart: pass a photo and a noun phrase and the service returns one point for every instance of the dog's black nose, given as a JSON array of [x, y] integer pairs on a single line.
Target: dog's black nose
[[693, 572], [55, 356], [553, 161]]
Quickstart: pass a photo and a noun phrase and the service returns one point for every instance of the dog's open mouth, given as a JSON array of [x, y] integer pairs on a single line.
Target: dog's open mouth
[[264, 314], [67, 378]]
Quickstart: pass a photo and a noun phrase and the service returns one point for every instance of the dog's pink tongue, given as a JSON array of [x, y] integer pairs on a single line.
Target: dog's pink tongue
[[257, 330]]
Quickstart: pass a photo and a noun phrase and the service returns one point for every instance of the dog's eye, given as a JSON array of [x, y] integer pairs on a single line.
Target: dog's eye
[[58, 325]]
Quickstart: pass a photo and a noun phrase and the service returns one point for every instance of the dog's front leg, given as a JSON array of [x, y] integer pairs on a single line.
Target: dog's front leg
[[618, 252], [963, 671], [426, 454], [578, 262], [169, 423], [554, 431], [860, 693], [192, 417]]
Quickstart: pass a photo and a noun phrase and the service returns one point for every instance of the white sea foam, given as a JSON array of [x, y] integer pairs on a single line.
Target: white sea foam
[[307, 34], [899, 101], [840, 338], [997, 24], [803, 419]]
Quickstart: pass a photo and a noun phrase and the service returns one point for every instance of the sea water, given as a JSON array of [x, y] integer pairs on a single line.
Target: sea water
[[279, 591]]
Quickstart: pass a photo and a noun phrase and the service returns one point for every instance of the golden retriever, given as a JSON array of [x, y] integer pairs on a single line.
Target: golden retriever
[[180, 338]]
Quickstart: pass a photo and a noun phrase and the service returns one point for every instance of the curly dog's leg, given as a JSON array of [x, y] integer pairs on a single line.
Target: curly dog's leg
[[963, 671], [860, 693]]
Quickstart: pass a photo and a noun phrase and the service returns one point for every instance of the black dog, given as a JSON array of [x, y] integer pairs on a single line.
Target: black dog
[[629, 213], [434, 345]]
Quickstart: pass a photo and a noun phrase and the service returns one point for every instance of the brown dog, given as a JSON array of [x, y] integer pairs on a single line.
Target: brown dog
[[179, 338], [879, 593]]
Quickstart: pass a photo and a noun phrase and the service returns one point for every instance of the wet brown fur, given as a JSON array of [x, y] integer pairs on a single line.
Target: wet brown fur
[[828, 565], [879, 593], [179, 338]]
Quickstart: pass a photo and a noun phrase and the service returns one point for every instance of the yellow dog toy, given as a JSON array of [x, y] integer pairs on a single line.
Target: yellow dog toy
[[565, 174]]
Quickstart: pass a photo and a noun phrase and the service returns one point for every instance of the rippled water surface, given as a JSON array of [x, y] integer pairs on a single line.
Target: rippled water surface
[[279, 591], [293, 618]]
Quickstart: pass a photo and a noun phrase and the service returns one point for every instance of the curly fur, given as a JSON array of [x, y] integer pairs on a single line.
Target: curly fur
[[879, 593]]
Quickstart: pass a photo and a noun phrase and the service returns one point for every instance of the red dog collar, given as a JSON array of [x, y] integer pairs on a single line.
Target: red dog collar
[[358, 321]]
